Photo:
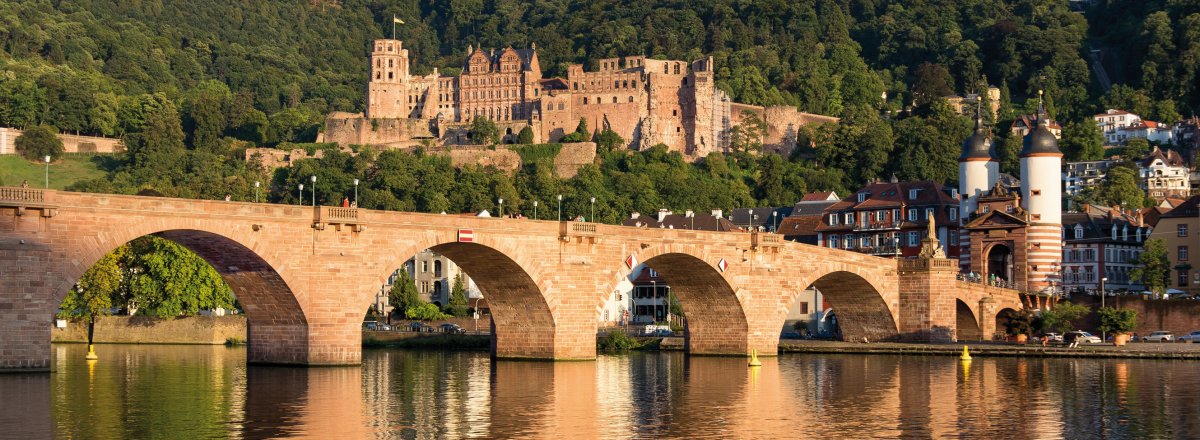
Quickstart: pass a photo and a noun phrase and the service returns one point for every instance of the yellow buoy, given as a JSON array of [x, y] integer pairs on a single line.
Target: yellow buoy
[[754, 362], [966, 356], [91, 356]]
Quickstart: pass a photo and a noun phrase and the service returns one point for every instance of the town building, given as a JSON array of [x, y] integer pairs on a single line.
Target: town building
[[646, 101], [1112, 121], [1164, 174], [1023, 124], [966, 105], [434, 275], [889, 219], [801, 225], [760, 219], [688, 220], [1178, 228], [1101, 243], [1081, 176], [1012, 234]]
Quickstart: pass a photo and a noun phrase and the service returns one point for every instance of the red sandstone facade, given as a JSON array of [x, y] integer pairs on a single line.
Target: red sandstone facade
[[306, 275], [646, 101]]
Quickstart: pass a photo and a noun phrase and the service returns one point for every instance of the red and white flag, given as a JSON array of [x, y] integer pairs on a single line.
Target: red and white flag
[[466, 236]]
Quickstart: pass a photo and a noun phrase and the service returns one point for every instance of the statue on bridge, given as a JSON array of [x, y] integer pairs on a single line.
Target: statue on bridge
[[930, 246]]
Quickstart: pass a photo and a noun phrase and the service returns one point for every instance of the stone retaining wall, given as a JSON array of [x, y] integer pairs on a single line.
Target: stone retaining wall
[[145, 330]]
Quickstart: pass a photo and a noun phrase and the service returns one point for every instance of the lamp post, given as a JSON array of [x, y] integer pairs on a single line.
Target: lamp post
[[256, 185], [593, 217], [535, 203], [774, 215], [501, 201], [355, 193], [47, 158], [300, 195], [1103, 337], [560, 207], [314, 190]]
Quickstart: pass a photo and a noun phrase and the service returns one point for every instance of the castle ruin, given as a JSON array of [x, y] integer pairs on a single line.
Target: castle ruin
[[646, 101]]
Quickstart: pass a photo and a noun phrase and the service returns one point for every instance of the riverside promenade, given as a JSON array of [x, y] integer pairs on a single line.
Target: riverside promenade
[[1133, 350]]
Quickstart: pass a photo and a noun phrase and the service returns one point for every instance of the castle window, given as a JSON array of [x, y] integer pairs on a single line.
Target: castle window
[[614, 100], [585, 100], [666, 68], [634, 83], [630, 98], [378, 75], [674, 112], [560, 106], [390, 63], [389, 75], [685, 81], [678, 129], [616, 84], [676, 68]]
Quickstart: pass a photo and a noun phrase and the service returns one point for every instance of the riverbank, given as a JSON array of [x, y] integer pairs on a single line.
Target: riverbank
[[200, 330], [1143, 350], [427, 341]]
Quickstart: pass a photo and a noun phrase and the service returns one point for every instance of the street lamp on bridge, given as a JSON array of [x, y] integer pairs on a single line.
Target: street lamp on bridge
[[314, 190], [300, 195], [501, 207], [535, 203], [256, 185], [560, 207], [355, 193]]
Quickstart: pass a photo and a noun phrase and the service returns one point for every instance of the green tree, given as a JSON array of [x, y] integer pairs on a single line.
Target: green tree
[[747, 135], [403, 293], [168, 280], [98, 291], [39, 141], [1136, 149], [424, 312], [525, 137], [1114, 320], [457, 305], [1064, 317], [483, 131], [609, 140], [581, 133], [1153, 267], [1120, 187], [1082, 141]]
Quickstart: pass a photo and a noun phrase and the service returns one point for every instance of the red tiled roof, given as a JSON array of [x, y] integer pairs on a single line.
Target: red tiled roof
[[817, 196]]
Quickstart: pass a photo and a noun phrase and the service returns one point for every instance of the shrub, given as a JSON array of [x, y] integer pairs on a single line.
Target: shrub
[[38, 142], [617, 341], [1114, 320], [1062, 318], [525, 136], [425, 312]]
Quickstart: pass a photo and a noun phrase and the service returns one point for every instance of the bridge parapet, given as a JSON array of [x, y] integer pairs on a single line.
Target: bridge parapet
[[585, 232], [28, 198], [338, 217]]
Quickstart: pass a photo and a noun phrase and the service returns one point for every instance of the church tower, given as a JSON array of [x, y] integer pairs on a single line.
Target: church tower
[[388, 87], [1041, 197]]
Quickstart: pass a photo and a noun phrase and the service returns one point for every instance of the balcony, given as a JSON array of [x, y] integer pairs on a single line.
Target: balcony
[[877, 226], [21, 199], [338, 217]]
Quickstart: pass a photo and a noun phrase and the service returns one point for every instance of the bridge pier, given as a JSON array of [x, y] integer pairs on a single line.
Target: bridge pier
[[26, 307], [927, 307]]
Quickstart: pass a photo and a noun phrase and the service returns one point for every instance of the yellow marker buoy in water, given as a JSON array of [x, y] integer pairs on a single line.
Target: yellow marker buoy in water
[[966, 356], [91, 356], [754, 362]]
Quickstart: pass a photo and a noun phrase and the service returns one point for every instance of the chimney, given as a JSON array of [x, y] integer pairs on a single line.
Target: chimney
[[689, 214], [635, 215], [717, 213], [662, 214], [1141, 220]]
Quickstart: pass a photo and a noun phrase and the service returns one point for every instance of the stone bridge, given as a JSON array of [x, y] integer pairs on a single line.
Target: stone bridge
[[305, 276]]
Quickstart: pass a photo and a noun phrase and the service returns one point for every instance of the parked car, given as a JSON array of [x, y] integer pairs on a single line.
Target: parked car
[[1190, 337], [371, 325], [383, 327], [419, 327], [452, 328], [1082, 337], [1054, 337], [790, 335], [1159, 336]]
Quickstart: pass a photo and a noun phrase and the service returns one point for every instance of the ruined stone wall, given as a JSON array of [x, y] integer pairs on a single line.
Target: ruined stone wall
[[354, 129], [566, 163], [71, 143]]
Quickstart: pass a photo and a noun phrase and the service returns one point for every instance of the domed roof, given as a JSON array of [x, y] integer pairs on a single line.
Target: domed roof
[[1041, 140], [978, 146]]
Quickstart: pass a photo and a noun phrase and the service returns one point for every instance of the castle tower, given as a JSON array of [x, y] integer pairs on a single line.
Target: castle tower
[[1041, 197], [388, 88]]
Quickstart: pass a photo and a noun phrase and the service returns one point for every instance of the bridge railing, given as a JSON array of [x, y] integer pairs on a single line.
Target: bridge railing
[[337, 216], [28, 198]]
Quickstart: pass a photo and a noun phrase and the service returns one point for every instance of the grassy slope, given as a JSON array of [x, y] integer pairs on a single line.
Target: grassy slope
[[69, 169]]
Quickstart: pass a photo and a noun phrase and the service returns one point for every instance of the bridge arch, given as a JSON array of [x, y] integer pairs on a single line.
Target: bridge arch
[[716, 322], [967, 321], [277, 325], [858, 300], [524, 325]]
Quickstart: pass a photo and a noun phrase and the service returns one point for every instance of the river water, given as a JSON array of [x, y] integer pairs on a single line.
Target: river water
[[185, 392]]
